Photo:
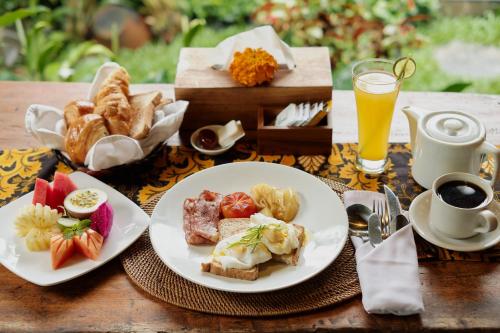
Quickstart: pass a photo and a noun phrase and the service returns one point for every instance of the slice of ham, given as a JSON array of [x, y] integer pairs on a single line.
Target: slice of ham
[[201, 217]]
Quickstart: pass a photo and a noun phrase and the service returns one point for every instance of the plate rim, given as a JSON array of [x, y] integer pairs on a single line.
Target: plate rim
[[100, 263], [474, 247], [269, 289]]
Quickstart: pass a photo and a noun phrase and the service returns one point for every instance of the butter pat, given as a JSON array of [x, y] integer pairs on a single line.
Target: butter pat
[[229, 133]]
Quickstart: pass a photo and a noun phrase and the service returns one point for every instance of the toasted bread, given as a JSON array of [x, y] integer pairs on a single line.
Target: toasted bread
[[235, 273], [144, 106], [229, 227]]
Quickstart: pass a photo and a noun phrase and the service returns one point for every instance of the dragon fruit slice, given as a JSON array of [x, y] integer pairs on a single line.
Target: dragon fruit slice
[[102, 219]]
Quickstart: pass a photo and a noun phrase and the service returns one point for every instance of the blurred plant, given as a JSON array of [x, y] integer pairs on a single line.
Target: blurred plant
[[190, 29], [76, 16], [163, 17], [48, 53], [352, 29], [217, 12]]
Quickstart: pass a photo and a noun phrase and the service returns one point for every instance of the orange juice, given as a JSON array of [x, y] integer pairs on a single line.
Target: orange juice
[[376, 93]]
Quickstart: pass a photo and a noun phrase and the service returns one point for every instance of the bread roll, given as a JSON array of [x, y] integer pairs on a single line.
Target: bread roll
[[76, 109], [112, 102], [83, 134]]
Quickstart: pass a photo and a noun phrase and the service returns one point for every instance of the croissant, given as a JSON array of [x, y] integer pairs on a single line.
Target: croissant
[[112, 102], [82, 134], [76, 109]]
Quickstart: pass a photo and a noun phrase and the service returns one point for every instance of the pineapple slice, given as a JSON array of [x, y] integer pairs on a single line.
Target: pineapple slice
[[37, 223]]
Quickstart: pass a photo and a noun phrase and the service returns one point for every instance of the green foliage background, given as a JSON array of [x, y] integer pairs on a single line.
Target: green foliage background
[[55, 41]]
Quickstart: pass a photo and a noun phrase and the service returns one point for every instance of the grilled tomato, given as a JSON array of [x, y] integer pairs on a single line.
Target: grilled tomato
[[237, 205]]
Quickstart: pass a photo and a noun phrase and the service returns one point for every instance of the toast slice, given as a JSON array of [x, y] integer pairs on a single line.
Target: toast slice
[[143, 106], [229, 227]]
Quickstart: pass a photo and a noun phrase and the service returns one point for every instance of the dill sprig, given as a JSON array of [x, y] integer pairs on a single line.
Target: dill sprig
[[253, 236]]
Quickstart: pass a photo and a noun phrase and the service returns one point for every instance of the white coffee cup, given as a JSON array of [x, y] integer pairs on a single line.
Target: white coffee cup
[[457, 222]]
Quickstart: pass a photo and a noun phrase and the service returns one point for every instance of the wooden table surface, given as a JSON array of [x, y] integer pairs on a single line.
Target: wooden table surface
[[457, 295]]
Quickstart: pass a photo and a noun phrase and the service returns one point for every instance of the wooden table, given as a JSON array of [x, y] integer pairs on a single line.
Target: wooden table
[[457, 295]]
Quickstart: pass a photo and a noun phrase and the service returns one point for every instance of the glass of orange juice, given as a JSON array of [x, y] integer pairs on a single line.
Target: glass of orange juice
[[376, 89]]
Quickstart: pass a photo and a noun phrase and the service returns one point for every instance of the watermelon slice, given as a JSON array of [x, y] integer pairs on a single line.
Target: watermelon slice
[[40, 193], [62, 186], [50, 199]]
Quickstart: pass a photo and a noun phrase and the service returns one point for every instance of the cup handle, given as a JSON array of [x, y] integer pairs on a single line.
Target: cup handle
[[487, 148], [488, 222]]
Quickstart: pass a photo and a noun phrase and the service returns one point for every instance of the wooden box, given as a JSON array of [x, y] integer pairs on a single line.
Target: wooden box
[[214, 98], [271, 139]]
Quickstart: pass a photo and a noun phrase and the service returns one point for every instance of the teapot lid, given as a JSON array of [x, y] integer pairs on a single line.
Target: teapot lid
[[453, 127]]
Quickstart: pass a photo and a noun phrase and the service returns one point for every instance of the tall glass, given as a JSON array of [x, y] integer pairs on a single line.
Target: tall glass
[[376, 89]]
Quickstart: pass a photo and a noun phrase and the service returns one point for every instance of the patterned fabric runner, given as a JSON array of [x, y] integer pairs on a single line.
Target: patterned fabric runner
[[141, 181]]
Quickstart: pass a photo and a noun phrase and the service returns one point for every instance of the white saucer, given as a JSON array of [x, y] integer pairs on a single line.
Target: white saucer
[[211, 152], [419, 218]]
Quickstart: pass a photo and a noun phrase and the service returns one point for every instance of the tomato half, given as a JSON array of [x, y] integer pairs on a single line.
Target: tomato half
[[89, 243], [237, 205], [61, 249]]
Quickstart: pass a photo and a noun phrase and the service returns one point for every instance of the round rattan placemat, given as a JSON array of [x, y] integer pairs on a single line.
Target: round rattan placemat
[[337, 283]]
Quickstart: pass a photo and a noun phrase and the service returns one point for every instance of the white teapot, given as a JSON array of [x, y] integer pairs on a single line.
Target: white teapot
[[447, 141]]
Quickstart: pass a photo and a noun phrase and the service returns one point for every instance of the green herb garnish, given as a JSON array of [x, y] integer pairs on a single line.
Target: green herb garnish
[[76, 229], [253, 236]]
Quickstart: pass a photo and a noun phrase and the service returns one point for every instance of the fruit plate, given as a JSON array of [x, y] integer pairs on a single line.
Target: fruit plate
[[129, 223], [321, 213]]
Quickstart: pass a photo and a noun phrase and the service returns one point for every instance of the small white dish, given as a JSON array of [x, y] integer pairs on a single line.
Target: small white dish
[[211, 152], [129, 223], [419, 218], [321, 213]]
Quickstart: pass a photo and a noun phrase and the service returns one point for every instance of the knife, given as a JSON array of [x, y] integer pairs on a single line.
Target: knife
[[394, 210], [374, 231]]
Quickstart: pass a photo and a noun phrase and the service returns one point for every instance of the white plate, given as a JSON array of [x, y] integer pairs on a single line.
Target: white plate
[[321, 212], [129, 223], [419, 217]]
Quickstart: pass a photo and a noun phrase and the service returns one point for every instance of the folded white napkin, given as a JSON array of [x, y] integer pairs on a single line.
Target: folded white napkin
[[388, 273], [47, 125], [264, 37]]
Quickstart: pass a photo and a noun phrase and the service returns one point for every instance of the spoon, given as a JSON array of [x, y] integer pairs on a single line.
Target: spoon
[[358, 216]]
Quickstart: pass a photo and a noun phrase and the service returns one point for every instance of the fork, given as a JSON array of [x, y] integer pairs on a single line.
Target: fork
[[380, 208]]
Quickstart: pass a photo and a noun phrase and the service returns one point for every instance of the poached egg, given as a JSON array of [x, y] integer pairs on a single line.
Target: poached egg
[[255, 245]]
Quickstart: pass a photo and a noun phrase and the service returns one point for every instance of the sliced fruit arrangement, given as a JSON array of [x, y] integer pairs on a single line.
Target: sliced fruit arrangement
[[37, 224], [82, 203], [65, 219], [75, 236], [54, 195]]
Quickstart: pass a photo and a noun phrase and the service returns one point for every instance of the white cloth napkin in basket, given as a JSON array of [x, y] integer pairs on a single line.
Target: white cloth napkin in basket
[[46, 124], [388, 273]]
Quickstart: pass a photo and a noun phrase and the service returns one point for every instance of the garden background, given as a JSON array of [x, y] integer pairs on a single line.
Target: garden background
[[456, 43]]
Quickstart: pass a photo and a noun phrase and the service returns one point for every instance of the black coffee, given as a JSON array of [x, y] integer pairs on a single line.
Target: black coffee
[[461, 194]]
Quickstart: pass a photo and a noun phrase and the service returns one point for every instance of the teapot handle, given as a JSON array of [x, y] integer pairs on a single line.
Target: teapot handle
[[489, 149]]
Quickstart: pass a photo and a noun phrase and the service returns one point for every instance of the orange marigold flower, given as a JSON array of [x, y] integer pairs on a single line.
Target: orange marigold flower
[[253, 67]]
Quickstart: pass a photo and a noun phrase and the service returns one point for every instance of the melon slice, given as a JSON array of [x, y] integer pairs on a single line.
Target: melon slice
[[40, 193], [62, 186]]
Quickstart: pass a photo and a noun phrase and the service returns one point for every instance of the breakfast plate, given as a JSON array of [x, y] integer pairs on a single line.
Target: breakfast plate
[[321, 213], [130, 221], [419, 218]]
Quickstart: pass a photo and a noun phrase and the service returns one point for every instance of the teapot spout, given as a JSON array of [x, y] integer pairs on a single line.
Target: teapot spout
[[413, 114]]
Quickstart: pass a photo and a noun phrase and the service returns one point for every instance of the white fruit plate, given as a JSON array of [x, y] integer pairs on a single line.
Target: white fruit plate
[[321, 213], [129, 222]]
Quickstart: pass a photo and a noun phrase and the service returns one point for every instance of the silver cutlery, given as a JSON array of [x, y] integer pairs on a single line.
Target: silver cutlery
[[374, 228], [397, 219], [383, 212], [358, 220]]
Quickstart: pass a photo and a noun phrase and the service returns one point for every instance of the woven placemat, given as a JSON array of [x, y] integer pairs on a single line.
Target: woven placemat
[[337, 283]]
